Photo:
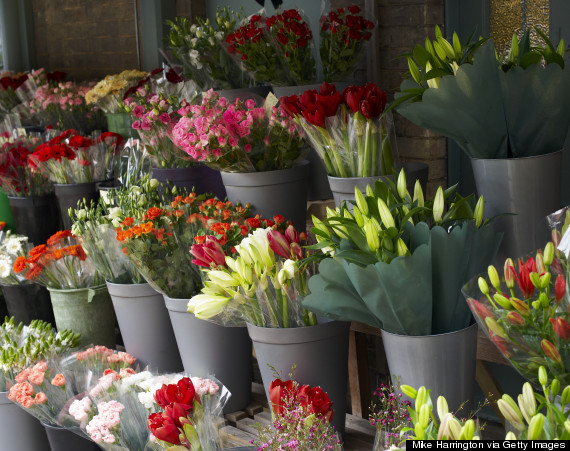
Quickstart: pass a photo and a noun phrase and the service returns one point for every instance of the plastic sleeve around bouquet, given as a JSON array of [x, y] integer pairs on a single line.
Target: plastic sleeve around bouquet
[[558, 223], [527, 333], [395, 297], [132, 164]]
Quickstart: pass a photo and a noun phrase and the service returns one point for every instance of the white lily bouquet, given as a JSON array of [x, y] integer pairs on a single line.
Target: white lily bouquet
[[264, 285]]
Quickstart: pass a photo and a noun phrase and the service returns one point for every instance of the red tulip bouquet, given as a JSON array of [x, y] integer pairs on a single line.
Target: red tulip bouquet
[[301, 418], [343, 33], [20, 176], [238, 136], [351, 132], [72, 158], [154, 105], [276, 50], [525, 313], [61, 263], [262, 285], [188, 413]]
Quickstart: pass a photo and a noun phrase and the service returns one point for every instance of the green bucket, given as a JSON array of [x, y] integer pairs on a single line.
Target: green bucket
[[6, 212], [88, 311], [121, 123]]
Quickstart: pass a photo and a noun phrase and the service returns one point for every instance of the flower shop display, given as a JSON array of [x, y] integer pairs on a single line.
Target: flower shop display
[[398, 263], [200, 49], [25, 300], [264, 286], [511, 124], [275, 50], [525, 314], [343, 34], [301, 416], [79, 298], [253, 146], [29, 190]]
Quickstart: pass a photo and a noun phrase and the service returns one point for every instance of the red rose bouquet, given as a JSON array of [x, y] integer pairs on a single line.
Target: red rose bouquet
[[301, 418], [20, 176], [525, 313], [9, 82], [73, 158], [351, 132], [276, 50], [238, 136], [154, 104], [343, 34], [60, 264]]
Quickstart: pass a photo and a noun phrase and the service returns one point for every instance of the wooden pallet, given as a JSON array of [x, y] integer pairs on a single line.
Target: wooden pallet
[[240, 427]]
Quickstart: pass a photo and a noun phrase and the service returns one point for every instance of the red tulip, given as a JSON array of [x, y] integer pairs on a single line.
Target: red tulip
[[559, 288], [163, 428], [183, 392], [308, 98], [550, 350], [329, 103], [279, 392], [561, 327], [352, 96], [290, 105], [315, 114], [327, 89], [208, 253]]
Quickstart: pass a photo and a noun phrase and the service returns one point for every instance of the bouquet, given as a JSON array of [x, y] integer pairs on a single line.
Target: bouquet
[[351, 133], [132, 163], [526, 313], [263, 285], [200, 49], [9, 83], [238, 136], [154, 103], [511, 107], [24, 346], [12, 246], [19, 176], [275, 50], [108, 93], [389, 414], [343, 34], [301, 418], [61, 263], [72, 158], [398, 262], [64, 106]]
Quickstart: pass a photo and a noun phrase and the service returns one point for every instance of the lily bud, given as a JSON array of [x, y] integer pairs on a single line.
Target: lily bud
[[555, 387], [527, 402], [548, 253], [358, 216], [561, 327], [467, 431], [565, 398], [414, 71], [421, 397], [520, 306], [516, 319], [420, 434], [423, 417], [494, 277], [511, 412], [535, 427], [402, 248], [478, 213], [409, 391], [539, 260], [454, 428], [545, 280], [442, 407], [401, 185], [438, 205], [369, 191], [318, 224], [567, 426], [361, 201], [418, 194], [542, 376], [510, 436], [385, 214], [447, 47], [483, 286], [371, 236], [559, 288], [502, 301], [535, 279], [550, 350], [544, 300], [509, 273], [432, 82], [495, 327]]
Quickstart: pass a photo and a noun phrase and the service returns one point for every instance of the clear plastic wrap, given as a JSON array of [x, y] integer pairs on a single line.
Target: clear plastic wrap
[[12, 246]]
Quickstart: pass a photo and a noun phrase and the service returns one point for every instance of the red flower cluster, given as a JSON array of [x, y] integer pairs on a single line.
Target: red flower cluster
[[347, 24], [315, 106], [177, 401], [252, 32], [289, 27], [285, 395], [12, 81]]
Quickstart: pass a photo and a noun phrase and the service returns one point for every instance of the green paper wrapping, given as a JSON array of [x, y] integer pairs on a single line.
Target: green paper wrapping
[[496, 114]]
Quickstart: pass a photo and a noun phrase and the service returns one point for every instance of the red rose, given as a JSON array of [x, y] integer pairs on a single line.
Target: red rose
[[254, 223], [354, 9]]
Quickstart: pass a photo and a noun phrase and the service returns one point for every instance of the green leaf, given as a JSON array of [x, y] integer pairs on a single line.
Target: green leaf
[[421, 55], [414, 71], [530, 58]]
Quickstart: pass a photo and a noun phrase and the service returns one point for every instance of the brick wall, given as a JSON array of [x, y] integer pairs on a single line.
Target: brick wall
[[88, 40]]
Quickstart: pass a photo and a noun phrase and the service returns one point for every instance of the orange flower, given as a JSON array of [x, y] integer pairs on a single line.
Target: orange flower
[[200, 239], [125, 251], [190, 198], [226, 214], [210, 201], [147, 227], [178, 199], [137, 230], [178, 213], [55, 254], [33, 272], [58, 380], [153, 213], [220, 205], [223, 239], [2, 225], [58, 236], [128, 222], [76, 251], [19, 264], [38, 250]]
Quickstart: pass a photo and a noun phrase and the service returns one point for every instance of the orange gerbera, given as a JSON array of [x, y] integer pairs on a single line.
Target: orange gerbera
[[76, 251], [19, 264], [55, 254], [153, 213], [58, 236], [147, 227], [38, 251]]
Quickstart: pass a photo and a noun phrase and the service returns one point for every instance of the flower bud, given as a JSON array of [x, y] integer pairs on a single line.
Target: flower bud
[[539, 260], [502, 301], [565, 397], [478, 213], [423, 417], [153, 183], [544, 300], [555, 387], [567, 426], [548, 253], [527, 402], [401, 185], [545, 280], [561, 327], [358, 217], [442, 407], [535, 427], [509, 270], [511, 412], [438, 205], [559, 288], [467, 431], [414, 71], [420, 433], [418, 194], [361, 201], [510, 436], [516, 319], [409, 391], [402, 248], [371, 236], [385, 214], [495, 327], [421, 397], [483, 286], [542, 375], [535, 279], [494, 277], [520, 306], [550, 350]]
